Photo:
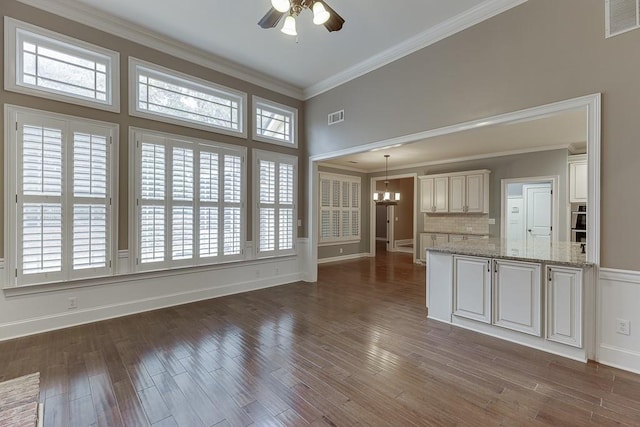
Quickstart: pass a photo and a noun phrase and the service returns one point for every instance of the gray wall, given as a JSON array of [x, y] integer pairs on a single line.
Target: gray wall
[[537, 53], [331, 251], [127, 48]]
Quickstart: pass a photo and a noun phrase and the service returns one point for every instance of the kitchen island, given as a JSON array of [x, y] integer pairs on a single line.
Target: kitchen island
[[539, 295]]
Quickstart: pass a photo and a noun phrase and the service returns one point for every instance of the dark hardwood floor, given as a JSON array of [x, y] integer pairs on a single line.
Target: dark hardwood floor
[[353, 349]]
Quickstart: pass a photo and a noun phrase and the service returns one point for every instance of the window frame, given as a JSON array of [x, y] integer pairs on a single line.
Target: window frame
[[278, 159], [135, 201], [68, 200], [14, 30], [342, 179], [273, 106], [191, 82]]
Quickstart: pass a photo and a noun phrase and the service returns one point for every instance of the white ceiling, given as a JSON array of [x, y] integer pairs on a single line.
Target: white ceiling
[[567, 129], [375, 32]]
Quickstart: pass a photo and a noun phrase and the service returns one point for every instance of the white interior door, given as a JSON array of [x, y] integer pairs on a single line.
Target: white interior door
[[538, 209], [391, 215]]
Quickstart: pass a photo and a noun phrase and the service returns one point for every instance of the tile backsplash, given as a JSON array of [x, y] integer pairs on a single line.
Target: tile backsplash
[[457, 223]]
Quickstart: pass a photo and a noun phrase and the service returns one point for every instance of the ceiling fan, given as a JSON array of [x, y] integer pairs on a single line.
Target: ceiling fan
[[322, 15]]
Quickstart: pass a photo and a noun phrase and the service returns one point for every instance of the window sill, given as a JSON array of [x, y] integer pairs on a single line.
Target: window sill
[[15, 291]]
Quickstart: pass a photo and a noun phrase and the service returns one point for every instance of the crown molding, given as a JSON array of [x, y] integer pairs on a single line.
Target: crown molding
[[342, 167], [87, 15], [458, 23]]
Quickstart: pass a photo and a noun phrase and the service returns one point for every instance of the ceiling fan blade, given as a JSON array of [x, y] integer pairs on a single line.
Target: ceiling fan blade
[[271, 19], [335, 21]]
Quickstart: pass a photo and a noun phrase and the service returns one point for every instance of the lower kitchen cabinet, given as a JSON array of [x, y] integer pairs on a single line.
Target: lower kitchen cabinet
[[564, 305], [517, 296], [472, 288]]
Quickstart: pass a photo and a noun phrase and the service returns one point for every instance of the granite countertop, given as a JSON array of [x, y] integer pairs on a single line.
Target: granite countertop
[[564, 253]]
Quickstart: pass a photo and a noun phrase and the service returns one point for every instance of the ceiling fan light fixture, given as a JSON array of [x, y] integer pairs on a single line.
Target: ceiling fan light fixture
[[281, 5], [320, 14], [289, 26]]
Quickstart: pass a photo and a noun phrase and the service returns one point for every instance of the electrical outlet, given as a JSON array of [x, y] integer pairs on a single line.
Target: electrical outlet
[[492, 221], [623, 327], [469, 228], [299, 223], [73, 303], [341, 250]]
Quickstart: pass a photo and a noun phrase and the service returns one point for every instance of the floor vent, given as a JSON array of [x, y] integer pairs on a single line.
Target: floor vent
[[621, 16], [336, 117]]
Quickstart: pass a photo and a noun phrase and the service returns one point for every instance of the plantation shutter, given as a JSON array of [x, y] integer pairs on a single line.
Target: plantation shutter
[[63, 198], [232, 205], [40, 199], [339, 208], [276, 203], [91, 199], [209, 204], [153, 229]]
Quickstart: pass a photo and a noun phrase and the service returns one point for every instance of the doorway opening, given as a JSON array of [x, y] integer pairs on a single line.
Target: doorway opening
[[530, 210], [395, 225]]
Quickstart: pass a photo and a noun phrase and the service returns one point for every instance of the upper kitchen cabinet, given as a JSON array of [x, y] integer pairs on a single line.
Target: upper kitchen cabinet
[[578, 178], [434, 194], [460, 192], [469, 192]]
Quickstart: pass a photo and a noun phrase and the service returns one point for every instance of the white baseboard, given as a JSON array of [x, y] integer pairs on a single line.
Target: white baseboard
[[343, 258], [403, 242], [619, 358]]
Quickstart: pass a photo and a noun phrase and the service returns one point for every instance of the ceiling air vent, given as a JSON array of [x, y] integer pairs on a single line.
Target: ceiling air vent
[[621, 16], [336, 117]]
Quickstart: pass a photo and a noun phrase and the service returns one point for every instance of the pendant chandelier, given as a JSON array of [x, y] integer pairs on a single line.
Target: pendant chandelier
[[386, 198]]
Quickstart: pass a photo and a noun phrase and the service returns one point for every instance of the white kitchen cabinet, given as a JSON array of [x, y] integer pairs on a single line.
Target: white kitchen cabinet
[[475, 193], [434, 194], [564, 305], [517, 296], [469, 193], [578, 179], [472, 288]]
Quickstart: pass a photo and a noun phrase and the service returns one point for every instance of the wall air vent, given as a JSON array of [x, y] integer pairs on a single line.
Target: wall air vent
[[336, 117], [621, 16]]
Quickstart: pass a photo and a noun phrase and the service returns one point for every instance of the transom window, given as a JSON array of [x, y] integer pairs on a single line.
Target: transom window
[[339, 208], [188, 201], [51, 65], [166, 95], [59, 200], [275, 123], [276, 191]]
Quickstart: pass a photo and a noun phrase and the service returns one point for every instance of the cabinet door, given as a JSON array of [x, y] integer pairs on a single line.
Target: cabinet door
[[426, 195], [441, 194], [564, 305], [457, 193], [516, 296], [472, 288], [475, 193], [578, 182]]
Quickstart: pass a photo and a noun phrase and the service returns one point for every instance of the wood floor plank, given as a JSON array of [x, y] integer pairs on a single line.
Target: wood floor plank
[[355, 348]]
